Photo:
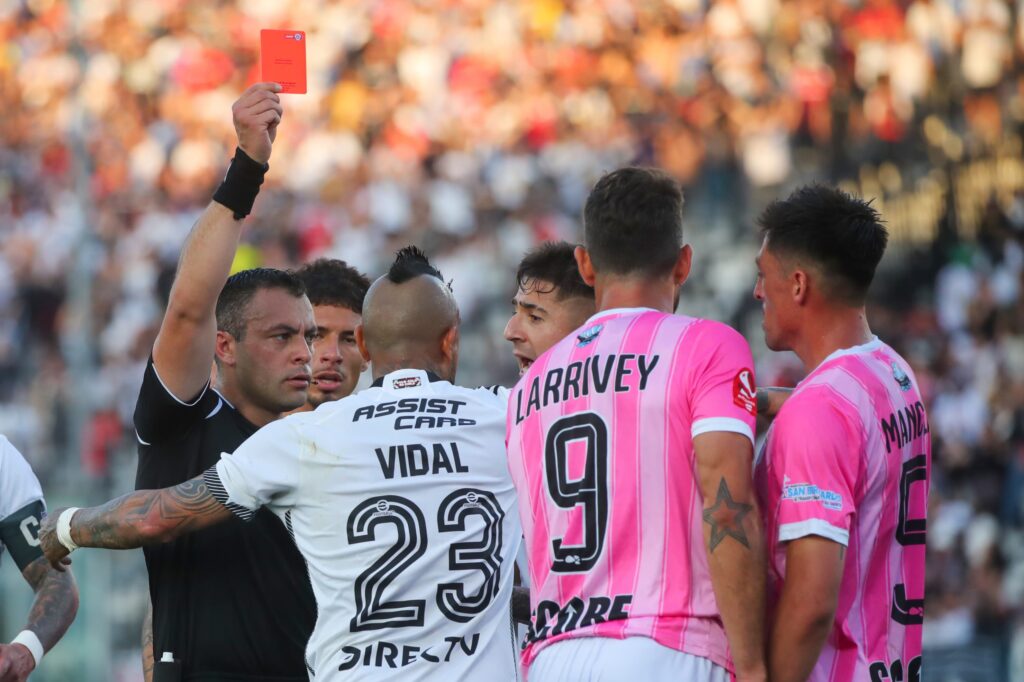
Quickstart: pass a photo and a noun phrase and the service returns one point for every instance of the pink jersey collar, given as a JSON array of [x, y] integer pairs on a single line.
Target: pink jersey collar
[[617, 311]]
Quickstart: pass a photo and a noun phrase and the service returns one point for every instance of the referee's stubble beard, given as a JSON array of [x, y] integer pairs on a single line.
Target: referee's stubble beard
[[268, 369]]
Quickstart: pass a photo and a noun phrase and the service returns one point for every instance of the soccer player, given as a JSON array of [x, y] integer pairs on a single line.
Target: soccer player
[[232, 602], [399, 497], [21, 511], [336, 291], [551, 301], [843, 478], [631, 444]]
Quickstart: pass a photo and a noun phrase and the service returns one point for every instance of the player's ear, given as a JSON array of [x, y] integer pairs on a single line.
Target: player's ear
[[683, 263], [450, 344], [224, 348], [800, 284], [361, 343], [586, 268]]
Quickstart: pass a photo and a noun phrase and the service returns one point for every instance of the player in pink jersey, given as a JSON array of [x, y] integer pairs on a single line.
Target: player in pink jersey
[[843, 478], [630, 445]]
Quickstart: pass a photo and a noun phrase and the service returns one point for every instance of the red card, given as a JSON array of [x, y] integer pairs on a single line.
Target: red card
[[283, 59]]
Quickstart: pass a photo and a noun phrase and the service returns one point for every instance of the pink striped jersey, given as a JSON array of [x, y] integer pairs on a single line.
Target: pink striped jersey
[[848, 458], [600, 446]]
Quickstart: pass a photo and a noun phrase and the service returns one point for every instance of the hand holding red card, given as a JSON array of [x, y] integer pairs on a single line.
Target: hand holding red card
[[283, 59]]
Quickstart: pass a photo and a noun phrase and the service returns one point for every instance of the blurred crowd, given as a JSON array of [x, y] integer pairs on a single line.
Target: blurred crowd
[[475, 128]]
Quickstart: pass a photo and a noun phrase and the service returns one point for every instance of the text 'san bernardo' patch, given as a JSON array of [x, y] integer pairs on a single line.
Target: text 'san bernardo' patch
[[808, 492]]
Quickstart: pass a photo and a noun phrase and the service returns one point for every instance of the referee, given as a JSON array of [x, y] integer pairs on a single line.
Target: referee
[[399, 497], [231, 603]]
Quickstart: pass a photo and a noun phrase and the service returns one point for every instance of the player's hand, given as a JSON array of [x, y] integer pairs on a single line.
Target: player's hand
[[256, 115], [55, 552], [16, 663]]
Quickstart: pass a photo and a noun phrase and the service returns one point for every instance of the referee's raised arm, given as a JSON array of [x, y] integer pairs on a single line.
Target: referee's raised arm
[[184, 347]]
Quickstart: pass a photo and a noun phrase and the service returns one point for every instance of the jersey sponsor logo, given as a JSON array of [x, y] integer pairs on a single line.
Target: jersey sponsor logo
[[384, 654], [551, 620], [904, 425], [417, 413], [808, 492], [744, 392], [901, 377], [589, 336], [621, 373], [406, 382]]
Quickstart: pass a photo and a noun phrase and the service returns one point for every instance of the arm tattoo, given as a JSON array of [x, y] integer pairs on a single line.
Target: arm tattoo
[[148, 660], [726, 518], [56, 601], [149, 516]]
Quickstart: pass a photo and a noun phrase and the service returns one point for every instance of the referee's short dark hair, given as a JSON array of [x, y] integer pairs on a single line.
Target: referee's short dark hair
[[410, 262], [238, 291], [334, 282], [551, 267], [843, 234], [633, 223]]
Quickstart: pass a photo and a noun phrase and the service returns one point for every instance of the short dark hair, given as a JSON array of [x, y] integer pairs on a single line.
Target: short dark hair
[[334, 282], [410, 262], [841, 233], [554, 264], [633, 222], [233, 302]]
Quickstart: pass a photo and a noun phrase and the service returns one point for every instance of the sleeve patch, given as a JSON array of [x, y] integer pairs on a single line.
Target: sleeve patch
[[744, 392], [808, 492]]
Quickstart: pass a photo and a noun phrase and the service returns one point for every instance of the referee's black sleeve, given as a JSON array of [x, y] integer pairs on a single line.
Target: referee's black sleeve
[[160, 416]]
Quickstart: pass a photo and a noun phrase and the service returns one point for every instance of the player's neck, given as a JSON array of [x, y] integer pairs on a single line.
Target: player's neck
[[255, 414], [830, 330], [616, 293]]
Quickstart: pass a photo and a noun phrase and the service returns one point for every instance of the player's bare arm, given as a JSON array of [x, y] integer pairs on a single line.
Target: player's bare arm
[[148, 660], [136, 519], [732, 530], [807, 607], [184, 348], [53, 610]]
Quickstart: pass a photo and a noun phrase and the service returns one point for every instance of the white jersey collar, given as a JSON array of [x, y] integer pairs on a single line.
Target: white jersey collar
[[405, 378]]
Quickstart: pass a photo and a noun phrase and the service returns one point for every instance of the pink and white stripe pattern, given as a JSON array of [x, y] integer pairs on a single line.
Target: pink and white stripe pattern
[[600, 445], [849, 458]]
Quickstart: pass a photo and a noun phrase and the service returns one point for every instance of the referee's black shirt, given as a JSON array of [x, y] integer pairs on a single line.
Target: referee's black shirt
[[232, 602]]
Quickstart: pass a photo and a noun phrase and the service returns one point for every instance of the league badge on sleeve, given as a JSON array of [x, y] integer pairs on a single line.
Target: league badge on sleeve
[[744, 393]]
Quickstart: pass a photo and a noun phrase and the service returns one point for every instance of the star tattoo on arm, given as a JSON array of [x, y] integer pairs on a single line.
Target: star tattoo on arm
[[726, 518]]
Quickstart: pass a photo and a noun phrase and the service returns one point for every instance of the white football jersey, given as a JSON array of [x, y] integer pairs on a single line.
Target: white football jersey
[[21, 505], [399, 497]]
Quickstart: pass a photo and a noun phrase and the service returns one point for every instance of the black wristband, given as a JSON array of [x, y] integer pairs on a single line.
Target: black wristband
[[241, 184]]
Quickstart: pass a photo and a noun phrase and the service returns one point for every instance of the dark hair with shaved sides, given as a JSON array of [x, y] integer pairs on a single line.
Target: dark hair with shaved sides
[[842, 234], [410, 262], [238, 291], [551, 267], [334, 282]]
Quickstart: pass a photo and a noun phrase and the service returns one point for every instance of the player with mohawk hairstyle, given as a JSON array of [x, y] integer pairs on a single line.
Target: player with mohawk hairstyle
[[398, 497]]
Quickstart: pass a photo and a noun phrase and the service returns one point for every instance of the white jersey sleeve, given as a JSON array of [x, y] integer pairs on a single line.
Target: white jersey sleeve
[[18, 485], [264, 471], [21, 506]]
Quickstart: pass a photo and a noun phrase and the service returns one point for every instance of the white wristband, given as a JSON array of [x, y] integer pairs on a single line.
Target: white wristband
[[64, 529], [30, 641]]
